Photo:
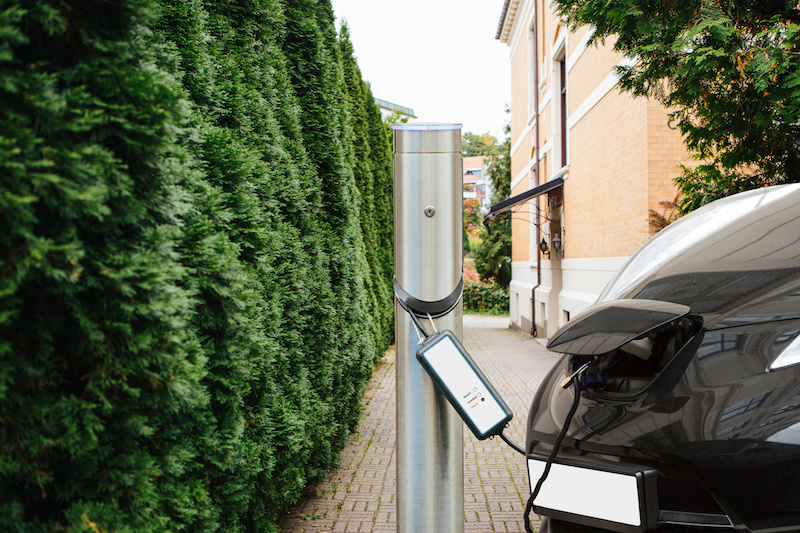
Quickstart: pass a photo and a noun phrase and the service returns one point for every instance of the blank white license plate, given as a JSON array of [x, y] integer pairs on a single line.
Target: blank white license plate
[[596, 494]]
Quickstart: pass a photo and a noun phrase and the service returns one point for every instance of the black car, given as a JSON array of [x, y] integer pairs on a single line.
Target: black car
[[688, 416]]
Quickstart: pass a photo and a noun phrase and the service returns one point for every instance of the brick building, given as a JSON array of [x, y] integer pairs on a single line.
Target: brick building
[[476, 180], [588, 162]]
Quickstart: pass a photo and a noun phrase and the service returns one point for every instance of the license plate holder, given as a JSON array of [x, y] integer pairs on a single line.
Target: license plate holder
[[617, 497]]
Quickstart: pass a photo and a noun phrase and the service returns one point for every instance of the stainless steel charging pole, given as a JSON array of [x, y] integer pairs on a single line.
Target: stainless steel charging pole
[[428, 266]]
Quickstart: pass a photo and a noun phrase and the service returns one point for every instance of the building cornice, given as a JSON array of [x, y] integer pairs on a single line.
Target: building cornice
[[507, 20]]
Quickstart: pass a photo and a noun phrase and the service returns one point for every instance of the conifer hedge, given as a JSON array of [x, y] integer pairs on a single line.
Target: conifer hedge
[[195, 203]]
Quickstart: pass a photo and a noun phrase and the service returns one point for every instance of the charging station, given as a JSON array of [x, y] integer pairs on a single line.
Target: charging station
[[428, 273]]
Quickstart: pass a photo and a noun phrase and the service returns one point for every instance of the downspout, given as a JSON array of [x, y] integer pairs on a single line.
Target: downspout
[[535, 141], [536, 164]]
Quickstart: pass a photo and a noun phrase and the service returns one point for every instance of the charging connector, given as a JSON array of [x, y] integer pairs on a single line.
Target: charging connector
[[576, 381]]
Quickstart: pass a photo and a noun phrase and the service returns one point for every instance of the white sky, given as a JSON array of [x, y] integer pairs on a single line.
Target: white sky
[[438, 57]]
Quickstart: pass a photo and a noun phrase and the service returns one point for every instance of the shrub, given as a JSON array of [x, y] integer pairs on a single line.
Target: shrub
[[184, 325], [485, 297], [101, 394]]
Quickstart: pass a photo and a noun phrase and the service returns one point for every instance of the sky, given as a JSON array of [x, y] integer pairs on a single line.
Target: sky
[[438, 57]]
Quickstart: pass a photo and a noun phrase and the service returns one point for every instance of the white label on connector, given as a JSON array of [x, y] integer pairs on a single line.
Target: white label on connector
[[464, 384]]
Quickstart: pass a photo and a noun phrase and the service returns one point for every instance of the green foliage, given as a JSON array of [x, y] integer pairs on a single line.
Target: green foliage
[[348, 329], [485, 297], [471, 222], [188, 309], [101, 391], [381, 150], [257, 321], [471, 212], [472, 144], [499, 169], [730, 71], [493, 255], [393, 118], [372, 175]]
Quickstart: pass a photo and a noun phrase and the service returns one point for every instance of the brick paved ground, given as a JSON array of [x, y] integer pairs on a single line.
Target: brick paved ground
[[360, 495]]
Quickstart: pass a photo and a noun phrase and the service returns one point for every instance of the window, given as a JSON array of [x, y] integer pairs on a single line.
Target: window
[[562, 72], [532, 66], [559, 106], [742, 407]]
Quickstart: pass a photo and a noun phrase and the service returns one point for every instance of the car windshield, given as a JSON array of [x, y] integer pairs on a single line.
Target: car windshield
[[685, 234]]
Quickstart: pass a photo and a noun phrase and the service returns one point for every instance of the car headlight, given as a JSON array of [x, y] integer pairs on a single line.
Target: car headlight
[[790, 356]]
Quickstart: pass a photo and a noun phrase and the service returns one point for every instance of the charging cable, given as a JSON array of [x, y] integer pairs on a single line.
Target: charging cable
[[417, 325], [511, 443], [576, 382]]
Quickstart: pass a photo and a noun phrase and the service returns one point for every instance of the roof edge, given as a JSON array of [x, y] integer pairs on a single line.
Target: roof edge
[[510, 8], [502, 19]]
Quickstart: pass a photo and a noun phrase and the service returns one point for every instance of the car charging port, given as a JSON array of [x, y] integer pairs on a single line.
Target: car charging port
[[630, 369]]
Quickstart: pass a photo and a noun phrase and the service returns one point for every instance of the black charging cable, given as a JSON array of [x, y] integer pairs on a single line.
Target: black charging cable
[[576, 382], [418, 326], [511, 443]]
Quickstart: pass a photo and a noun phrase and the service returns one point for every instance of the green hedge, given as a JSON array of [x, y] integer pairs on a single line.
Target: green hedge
[[189, 310], [485, 297]]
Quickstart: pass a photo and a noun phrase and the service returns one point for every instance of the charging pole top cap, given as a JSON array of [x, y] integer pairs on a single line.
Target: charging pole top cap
[[427, 126], [421, 137]]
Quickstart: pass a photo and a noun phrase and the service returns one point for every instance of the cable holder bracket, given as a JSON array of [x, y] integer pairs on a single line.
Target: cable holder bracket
[[425, 309]]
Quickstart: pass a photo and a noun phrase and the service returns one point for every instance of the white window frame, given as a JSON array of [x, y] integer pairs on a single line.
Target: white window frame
[[558, 55]]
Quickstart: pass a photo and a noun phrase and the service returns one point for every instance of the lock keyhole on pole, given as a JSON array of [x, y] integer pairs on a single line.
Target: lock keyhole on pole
[[430, 211]]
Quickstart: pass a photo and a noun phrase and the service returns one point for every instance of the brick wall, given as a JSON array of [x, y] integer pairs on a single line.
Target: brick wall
[[665, 153], [606, 191], [622, 154]]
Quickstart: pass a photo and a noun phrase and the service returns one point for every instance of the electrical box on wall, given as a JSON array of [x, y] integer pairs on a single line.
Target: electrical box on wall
[[464, 385]]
